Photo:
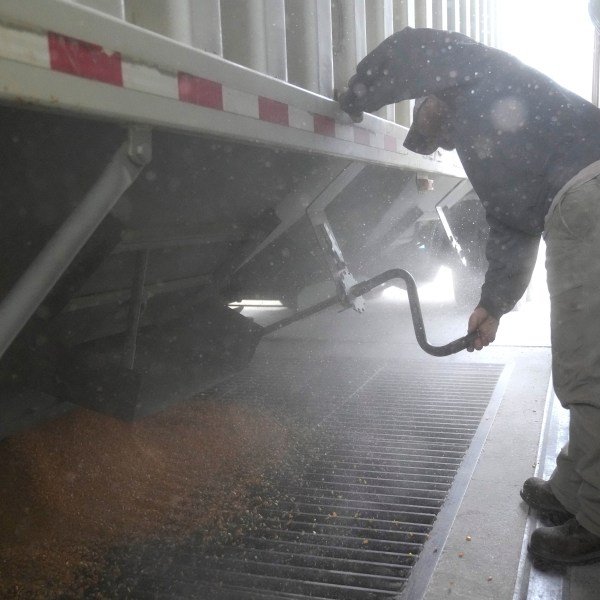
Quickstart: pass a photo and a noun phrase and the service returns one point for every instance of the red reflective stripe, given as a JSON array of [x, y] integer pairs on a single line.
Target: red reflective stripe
[[361, 136], [198, 90], [75, 57], [273, 111], [324, 125], [389, 143]]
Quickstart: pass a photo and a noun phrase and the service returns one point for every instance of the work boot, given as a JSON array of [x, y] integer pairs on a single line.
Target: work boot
[[537, 493], [564, 545]]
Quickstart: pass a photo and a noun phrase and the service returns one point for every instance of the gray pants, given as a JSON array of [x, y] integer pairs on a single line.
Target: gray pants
[[573, 267]]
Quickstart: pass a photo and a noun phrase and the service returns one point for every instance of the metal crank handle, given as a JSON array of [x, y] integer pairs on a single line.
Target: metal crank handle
[[415, 309]]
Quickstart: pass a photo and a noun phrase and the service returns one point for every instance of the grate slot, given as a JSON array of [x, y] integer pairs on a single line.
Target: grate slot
[[329, 519], [228, 592], [358, 512], [363, 496], [365, 556], [364, 531], [305, 588], [262, 582], [380, 503], [441, 446], [352, 470], [324, 563], [369, 477], [390, 459], [300, 573], [353, 542]]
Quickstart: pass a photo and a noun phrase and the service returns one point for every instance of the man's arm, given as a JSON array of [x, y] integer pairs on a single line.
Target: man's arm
[[511, 256], [413, 63]]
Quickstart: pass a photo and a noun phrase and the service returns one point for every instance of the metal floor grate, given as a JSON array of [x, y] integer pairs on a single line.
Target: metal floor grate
[[377, 448]]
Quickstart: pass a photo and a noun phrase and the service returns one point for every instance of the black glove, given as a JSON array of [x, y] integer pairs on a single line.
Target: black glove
[[377, 81], [414, 63]]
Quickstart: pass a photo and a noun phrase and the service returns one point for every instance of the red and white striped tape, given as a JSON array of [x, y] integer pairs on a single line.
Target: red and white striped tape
[[90, 61]]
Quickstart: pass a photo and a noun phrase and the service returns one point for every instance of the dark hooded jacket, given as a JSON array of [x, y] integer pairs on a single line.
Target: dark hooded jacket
[[519, 135]]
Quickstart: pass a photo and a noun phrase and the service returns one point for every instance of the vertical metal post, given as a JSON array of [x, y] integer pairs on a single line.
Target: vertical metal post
[[596, 69], [440, 14], [252, 13], [325, 236], [453, 15], [380, 22], [27, 294], [483, 21], [171, 18], [206, 26], [475, 34], [293, 206], [309, 43], [404, 16], [380, 25], [349, 38], [492, 23], [135, 307], [424, 13], [465, 17], [275, 38], [254, 35], [237, 44]]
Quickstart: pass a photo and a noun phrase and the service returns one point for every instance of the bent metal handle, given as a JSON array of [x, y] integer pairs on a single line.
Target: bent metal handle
[[366, 286], [415, 309]]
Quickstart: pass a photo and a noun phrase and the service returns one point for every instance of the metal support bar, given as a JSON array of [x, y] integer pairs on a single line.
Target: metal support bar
[[325, 185], [456, 195], [150, 291], [135, 307], [326, 238], [407, 202], [453, 241], [132, 240], [26, 295]]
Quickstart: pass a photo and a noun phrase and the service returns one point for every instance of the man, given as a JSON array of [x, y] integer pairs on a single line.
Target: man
[[531, 150]]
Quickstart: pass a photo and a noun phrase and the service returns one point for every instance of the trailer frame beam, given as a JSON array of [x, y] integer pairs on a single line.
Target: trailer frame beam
[[35, 283]]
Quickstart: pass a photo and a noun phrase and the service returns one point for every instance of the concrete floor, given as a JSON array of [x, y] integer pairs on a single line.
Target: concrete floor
[[483, 556]]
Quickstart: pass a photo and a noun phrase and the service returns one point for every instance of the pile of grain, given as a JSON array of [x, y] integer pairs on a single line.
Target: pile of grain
[[84, 482]]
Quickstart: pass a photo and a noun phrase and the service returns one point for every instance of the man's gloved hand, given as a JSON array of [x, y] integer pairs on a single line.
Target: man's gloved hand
[[350, 101], [486, 327], [376, 82]]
